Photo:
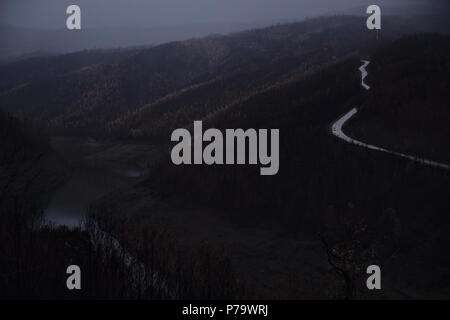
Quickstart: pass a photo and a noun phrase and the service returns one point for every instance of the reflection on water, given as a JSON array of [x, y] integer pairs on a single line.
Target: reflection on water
[[130, 173], [69, 203]]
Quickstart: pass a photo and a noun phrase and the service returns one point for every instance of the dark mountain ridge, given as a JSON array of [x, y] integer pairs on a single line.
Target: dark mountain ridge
[[95, 99]]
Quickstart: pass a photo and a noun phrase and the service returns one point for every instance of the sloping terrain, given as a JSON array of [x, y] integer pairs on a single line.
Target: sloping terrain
[[373, 207], [28, 167], [120, 96], [407, 108], [273, 231], [34, 255], [41, 68]]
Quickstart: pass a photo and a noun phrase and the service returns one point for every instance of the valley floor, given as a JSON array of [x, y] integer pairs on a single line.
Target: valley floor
[[97, 168]]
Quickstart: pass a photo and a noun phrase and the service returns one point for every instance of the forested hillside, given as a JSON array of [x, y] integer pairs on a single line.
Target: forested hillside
[[34, 254], [133, 95], [24, 158], [42, 68], [226, 231], [407, 108], [370, 206]]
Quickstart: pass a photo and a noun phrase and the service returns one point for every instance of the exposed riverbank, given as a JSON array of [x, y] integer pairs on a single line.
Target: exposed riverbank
[[97, 168]]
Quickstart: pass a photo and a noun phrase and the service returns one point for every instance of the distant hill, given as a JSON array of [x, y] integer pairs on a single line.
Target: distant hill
[[17, 41], [112, 93], [44, 67]]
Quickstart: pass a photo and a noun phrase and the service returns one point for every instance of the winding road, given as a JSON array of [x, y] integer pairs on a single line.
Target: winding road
[[336, 130]]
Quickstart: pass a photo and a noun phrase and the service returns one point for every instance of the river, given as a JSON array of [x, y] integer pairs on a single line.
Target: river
[[95, 172]]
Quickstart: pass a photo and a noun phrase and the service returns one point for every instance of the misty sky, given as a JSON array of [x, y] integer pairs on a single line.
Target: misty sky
[[149, 13]]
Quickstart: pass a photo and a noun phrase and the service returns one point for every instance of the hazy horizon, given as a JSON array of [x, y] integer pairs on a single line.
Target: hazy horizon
[[98, 14], [30, 26]]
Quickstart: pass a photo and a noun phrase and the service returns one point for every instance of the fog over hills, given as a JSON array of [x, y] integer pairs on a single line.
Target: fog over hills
[[27, 29], [95, 90]]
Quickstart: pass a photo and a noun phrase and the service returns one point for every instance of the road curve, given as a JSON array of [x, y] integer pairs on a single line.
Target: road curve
[[336, 130]]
